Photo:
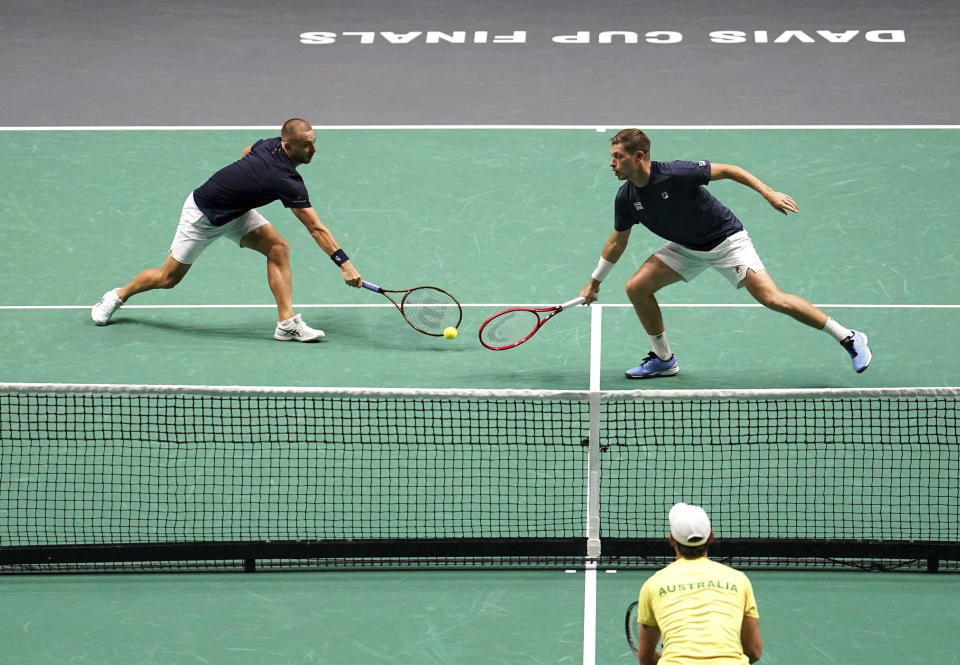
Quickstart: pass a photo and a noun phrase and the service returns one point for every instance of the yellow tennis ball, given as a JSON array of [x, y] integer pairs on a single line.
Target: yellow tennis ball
[[450, 332]]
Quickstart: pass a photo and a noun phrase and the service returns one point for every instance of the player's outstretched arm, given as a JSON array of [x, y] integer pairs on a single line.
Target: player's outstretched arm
[[780, 202], [321, 234], [612, 251]]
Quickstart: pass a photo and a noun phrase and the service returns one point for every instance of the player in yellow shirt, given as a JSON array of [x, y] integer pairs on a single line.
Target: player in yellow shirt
[[704, 610]]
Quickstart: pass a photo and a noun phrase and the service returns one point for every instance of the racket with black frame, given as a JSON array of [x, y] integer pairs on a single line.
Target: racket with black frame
[[631, 627], [512, 327], [427, 309]]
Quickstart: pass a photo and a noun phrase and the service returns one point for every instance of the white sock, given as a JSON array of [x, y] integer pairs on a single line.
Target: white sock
[[838, 332], [660, 346]]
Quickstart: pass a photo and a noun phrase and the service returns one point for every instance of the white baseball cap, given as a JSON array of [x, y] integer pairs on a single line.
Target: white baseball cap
[[689, 525]]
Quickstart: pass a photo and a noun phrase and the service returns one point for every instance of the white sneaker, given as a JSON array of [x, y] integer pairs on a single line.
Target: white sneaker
[[103, 310], [295, 330]]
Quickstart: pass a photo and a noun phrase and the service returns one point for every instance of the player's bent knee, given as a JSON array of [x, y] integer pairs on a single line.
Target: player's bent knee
[[279, 251], [637, 288]]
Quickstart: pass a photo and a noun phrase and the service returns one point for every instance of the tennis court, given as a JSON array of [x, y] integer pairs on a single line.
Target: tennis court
[[874, 246], [90, 212]]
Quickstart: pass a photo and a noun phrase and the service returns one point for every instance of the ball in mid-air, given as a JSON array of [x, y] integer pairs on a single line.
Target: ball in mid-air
[[450, 332]]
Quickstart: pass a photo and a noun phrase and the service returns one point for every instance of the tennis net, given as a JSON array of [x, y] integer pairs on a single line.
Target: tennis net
[[180, 476]]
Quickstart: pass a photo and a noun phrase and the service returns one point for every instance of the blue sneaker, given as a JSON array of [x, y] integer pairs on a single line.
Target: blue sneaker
[[856, 346], [652, 367]]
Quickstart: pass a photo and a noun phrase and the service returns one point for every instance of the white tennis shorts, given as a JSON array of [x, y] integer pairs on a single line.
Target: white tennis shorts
[[731, 258], [195, 232]]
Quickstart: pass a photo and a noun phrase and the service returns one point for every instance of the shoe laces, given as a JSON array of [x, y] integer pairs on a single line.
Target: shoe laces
[[848, 344]]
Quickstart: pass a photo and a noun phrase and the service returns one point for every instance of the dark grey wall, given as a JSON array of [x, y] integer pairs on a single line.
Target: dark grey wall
[[139, 62]]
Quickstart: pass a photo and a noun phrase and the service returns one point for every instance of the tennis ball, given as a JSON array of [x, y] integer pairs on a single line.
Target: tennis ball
[[450, 332]]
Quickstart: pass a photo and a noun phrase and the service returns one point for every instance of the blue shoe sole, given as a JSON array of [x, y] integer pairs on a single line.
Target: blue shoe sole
[[658, 375]]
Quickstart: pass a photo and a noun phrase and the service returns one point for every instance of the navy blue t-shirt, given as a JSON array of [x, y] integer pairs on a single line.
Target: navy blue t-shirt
[[263, 176], [676, 206]]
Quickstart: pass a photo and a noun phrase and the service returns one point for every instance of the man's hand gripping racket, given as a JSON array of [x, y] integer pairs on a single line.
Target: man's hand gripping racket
[[427, 309], [512, 327]]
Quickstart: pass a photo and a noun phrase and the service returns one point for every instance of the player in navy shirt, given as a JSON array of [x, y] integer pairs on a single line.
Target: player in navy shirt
[[264, 175], [671, 200], [225, 205]]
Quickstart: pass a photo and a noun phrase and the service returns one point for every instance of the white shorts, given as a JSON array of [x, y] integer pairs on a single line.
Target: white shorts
[[195, 232], [731, 258]]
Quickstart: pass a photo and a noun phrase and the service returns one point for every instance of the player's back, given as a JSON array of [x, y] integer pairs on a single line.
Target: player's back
[[699, 606], [263, 176]]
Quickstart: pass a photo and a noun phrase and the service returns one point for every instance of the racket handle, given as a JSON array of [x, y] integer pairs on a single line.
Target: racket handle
[[371, 286], [572, 303]]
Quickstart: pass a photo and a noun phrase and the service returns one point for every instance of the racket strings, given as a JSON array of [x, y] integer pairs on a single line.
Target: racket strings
[[632, 628], [509, 328], [431, 310]]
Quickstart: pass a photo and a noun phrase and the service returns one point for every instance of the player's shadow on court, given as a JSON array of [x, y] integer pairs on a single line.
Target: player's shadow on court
[[341, 333], [393, 334], [401, 340], [236, 331]]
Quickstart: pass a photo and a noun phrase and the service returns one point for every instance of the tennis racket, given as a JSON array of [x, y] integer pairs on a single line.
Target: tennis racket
[[426, 308], [512, 327], [630, 626]]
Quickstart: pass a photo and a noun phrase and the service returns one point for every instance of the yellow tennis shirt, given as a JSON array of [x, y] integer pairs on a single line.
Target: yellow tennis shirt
[[699, 606]]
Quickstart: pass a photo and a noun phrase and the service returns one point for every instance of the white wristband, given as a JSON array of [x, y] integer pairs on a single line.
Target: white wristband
[[603, 269]]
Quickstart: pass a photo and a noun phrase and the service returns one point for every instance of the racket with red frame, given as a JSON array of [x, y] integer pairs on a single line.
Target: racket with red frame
[[512, 327], [427, 309]]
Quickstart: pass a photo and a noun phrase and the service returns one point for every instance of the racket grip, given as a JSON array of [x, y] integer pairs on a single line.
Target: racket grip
[[572, 303], [371, 286]]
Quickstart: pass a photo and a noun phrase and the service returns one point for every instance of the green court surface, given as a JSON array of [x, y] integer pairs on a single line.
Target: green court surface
[[390, 618], [497, 217]]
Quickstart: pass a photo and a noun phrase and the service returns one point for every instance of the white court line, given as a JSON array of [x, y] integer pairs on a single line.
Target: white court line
[[590, 572], [832, 306], [596, 318], [590, 614], [486, 305], [125, 307], [596, 127]]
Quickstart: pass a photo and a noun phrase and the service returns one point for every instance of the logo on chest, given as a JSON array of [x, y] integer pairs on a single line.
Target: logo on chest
[[664, 195], [637, 205]]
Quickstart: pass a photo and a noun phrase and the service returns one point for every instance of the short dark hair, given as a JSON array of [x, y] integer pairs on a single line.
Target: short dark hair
[[693, 551], [293, 127], [633, 140]]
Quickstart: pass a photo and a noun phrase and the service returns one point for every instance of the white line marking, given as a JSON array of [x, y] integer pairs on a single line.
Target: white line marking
[[248, 306], [596, 318], [593, 128], [485, 305], [590, 614], [590, 574], [836, 306]]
